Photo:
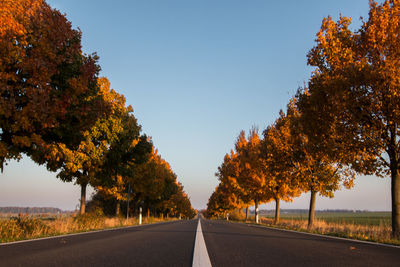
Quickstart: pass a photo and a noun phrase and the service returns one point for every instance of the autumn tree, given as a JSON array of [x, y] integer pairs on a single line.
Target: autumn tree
[[82, 161], [46, 83], [170, 188], [115, 192], [314, 170], [129, 150], [217, 204], [152, 181], [228, 195], [277, 152], [55, 109], [228, 174], [179, 204], [252, 177], [212, 205], [154, 185], [355, 89]]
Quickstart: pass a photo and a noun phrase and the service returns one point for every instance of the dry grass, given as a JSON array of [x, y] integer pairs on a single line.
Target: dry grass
[[29, 227], [376, 233]]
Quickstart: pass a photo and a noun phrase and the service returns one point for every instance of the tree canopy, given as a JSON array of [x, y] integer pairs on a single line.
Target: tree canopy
[[56, 109]]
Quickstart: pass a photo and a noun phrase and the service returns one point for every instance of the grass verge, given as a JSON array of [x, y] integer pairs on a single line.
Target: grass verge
[[374, 233], [31, 227]]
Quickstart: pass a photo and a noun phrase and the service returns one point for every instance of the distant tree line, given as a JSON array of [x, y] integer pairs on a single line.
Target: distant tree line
[[56, 109], [345, 121]]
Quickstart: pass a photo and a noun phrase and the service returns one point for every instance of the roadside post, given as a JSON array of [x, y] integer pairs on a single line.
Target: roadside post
[[140, 215]]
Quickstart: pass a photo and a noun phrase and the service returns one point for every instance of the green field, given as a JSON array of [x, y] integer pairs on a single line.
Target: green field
[[360, 218]]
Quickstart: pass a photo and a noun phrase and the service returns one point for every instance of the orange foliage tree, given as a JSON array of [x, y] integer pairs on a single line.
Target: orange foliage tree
[[129, 150], [155, 186], [228, 174], [82, 161], [316, 171], [179, 204], [55, 109], [221, 202], [277, 151], [353, 98], [46, 83], [252, 177], [153, 183]]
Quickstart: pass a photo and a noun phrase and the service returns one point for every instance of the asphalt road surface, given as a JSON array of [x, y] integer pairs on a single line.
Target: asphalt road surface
[[232, 244], [172, 244], [167, 244]]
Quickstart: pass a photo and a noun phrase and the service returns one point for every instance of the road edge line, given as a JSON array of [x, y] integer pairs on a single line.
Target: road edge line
[[200, 253], [81, 233]]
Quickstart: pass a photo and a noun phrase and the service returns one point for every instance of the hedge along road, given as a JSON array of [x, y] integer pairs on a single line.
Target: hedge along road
[[172, 244]]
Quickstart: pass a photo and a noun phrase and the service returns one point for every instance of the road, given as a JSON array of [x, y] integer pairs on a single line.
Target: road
[[172, 244], [167, 244], [232, 244]]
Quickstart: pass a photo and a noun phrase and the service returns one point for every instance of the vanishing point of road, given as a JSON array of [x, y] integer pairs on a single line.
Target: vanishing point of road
[[186, 243]]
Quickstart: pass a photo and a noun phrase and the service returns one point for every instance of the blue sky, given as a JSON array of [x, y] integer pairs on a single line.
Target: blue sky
[[196, 73]]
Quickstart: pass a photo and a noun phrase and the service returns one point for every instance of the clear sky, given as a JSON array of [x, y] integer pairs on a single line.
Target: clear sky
[[196, 73]]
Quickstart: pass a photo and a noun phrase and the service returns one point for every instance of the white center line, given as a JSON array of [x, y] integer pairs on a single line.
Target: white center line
[[200, 254]]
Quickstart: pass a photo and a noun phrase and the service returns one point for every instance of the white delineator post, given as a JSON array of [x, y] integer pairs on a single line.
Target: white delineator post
[[200, 254], [140, 215], [256, 211]]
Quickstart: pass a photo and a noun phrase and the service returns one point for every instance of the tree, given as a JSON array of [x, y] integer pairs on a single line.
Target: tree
[[252, 178], [218, 204], [153, 183], [355, 89], [316, 171], [46, 83], [277, 152], [125, 153], [228, 174], [117, 192], [179, 204], [213, 205], [83, 161], [151, 179]]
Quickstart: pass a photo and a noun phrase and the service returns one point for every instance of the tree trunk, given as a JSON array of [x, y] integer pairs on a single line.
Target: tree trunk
[[83, 199], [311, 212], [127, 201], [148, 213], [256, 211], [117, 208], [247, 213], [277, 210], [395, 202]]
